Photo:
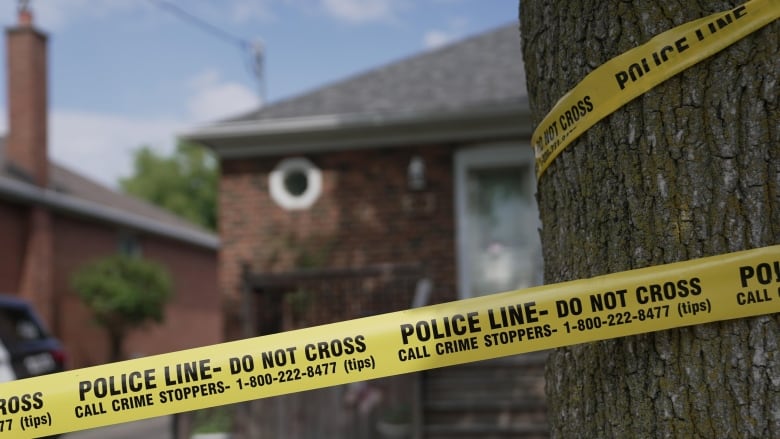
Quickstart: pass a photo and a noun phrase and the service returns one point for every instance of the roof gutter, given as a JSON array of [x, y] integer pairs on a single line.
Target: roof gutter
[[63, 202], [267, 137]]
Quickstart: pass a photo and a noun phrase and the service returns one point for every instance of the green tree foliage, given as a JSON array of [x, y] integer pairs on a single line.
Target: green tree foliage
[[123, 293], [184, 183]]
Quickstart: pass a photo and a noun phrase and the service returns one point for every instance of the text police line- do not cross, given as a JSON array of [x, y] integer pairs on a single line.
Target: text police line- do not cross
[[734, 285], [630, 74]]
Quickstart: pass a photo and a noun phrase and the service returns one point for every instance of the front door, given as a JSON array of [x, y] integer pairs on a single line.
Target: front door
[[497, 219]]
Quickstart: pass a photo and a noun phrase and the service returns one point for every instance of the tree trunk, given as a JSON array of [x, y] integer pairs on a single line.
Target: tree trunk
[[115, 338], [689, 169]]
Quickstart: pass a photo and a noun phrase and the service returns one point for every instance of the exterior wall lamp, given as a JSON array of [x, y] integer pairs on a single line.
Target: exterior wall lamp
[[415, 174]]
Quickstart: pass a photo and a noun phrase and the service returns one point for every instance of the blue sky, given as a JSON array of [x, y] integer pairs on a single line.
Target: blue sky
[[126, 73]]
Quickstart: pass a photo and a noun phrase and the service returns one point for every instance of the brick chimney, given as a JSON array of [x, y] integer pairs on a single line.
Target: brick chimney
[[26, 151], [26, 143]]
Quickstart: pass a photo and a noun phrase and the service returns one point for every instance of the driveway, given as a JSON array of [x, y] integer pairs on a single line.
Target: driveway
[[154, 428]]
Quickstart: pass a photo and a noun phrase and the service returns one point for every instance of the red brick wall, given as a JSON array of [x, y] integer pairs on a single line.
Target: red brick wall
[[193, 318], [35, 284], [77, 242], [26, 143], [13, 236], [366, 215]]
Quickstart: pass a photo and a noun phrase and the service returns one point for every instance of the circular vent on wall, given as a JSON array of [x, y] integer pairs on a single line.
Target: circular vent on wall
[[295, 183]]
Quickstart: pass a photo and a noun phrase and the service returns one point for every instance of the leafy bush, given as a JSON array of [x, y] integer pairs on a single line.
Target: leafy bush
[[123, 293]]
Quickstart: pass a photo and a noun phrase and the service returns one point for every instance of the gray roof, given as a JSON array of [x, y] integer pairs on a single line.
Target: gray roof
[[68, 182], [76, 194], [483, 70], [470, 90]]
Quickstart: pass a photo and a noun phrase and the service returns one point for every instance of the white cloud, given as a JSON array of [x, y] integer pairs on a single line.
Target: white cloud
[[54, 15], [436, 38], [359, 11], [214, 99], [101, 146], [243, 11]]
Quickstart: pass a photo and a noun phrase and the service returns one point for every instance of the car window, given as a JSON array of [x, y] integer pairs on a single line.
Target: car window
[[18, 325]]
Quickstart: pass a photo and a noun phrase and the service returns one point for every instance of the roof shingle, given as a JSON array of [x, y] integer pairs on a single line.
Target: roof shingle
[[483, 70], [92, 199]]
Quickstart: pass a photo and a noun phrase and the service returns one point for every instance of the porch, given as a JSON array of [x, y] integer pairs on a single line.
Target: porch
[[497, 398]]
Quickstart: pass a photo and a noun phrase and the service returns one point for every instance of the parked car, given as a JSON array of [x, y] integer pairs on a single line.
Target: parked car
[[26, 348]]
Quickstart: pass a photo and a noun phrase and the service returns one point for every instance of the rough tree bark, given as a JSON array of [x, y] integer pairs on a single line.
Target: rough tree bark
[[689, 169]]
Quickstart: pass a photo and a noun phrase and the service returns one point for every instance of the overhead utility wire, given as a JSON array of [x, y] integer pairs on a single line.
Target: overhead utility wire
[[255, 49], [197, 21]]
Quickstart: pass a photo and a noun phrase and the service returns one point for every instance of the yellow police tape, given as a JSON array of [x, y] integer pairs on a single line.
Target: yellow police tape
[[735, 285], [623, 78]]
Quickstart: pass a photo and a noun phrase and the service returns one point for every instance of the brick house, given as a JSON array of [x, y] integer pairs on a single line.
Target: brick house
[[423, 163], [53, 220]]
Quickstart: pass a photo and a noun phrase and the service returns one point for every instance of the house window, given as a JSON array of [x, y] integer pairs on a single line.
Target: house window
[[295, 183], [129, 245], [499, 248]]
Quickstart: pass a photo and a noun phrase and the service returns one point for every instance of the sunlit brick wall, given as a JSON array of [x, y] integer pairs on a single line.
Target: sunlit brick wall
[[366, 215]]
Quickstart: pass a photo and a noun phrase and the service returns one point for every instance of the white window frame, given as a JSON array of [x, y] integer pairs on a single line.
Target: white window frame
[[282, 196], [479, 156]]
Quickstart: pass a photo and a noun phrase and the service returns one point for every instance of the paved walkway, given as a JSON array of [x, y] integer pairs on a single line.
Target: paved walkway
[[154, 428]]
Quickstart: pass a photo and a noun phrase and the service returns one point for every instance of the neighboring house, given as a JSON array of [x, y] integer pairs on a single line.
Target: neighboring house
[[52, 221], [423, 163]]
